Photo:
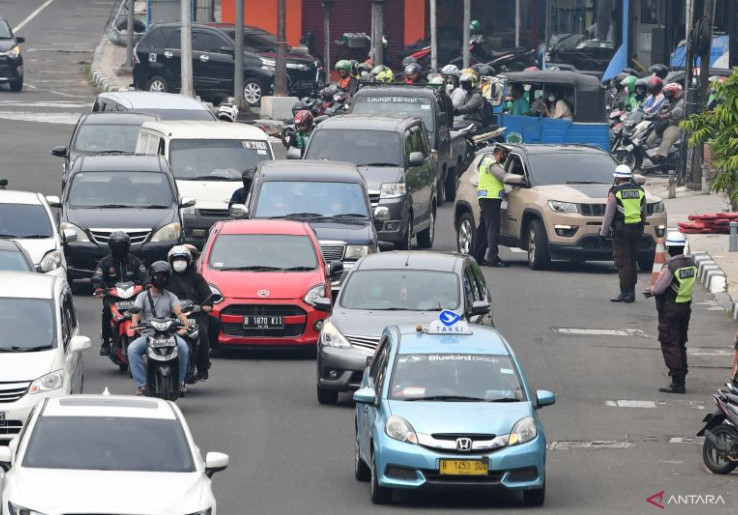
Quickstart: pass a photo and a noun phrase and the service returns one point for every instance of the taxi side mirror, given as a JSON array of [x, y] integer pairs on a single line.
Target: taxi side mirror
[[545, 398], [365, 395], [480, 307]]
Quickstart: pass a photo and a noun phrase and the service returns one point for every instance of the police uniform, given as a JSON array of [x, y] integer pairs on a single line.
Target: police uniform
[[490, 192]]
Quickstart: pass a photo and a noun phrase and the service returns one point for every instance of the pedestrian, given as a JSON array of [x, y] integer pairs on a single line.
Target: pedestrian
[[625, 214], [490, 192], [673, 292]]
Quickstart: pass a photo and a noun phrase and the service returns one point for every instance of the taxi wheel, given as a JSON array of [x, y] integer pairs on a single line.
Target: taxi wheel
[[327, 396], [534, 497], [362, 472], [379, 494]]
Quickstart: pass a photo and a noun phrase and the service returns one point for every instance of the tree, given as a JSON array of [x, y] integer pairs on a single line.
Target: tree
[[719, 128]]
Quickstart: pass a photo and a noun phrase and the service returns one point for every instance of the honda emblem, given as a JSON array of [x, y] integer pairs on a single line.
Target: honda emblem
[[463, 444], [263, 293]]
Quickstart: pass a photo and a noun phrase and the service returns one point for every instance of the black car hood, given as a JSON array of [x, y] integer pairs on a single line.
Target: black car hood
[[353, 234], [6, 44], [120, 218], [375, 176]]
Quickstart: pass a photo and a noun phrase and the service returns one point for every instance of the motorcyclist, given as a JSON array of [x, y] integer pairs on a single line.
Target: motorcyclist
[[444, 101], [473, 108], [655, 100], [303, 128], [118, 266], [346, 82], [630, 100], [241, 194], [157, 302], [383, 74], [620, 93], [412, 74], [475, 27], [640, 91], [187, 284], [667, 122], [451, 74]]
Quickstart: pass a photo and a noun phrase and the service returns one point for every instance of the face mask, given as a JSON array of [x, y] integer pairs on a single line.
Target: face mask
[[179, 265], [466, 86], [160, 281], [551, 98]]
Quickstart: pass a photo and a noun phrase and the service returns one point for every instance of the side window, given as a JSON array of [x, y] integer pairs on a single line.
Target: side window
[[142, 143], [71, 313], [471, 288], [379, 358], [203, 41], [479, 279], [514, 165], [64, 319], [409, 145], [421, 143], [174, 40], [161, 149], [97, 106]]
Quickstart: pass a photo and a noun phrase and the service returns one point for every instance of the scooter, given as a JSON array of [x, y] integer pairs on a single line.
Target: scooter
[[192, 338], [121, 298], [720, 449], [161, 359], [634, 151]]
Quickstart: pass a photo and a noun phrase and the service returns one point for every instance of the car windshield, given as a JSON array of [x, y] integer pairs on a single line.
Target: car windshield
[[267, 252], [95, 138], [14, 260], [182, 114], [447, 377], [215, 159], [120, 189], [356, 146], [396, 106], [109, 443], [312, 201], [570, 168], [27, 324], [4, 31], [401, 290], [24, 221]]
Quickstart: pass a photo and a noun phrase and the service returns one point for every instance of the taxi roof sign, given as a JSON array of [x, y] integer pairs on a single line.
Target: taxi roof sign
[[449, 323]]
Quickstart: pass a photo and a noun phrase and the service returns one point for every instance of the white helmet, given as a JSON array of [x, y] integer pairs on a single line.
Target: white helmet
[[451, 69], [675, 239], [622, 172]]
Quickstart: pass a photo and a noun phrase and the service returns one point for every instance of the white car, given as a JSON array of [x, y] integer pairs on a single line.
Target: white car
[[27, 218], [40, 345], [107, 454]]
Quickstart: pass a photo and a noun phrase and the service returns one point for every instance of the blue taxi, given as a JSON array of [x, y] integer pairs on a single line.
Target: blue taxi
[[443, 405]]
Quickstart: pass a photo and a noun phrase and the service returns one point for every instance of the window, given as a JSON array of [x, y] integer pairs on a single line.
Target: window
[[409, 145], [162, 147], [174, 40], [421, 142], [206, 42], [479, 277], [379, 360], [156, 38], [471, 288], [515, 165], [71, 313]]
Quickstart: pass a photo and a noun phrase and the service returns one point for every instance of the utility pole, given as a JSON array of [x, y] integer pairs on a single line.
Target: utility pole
[[129, 36], [327, 5], [517, 23], [238, 56], [186, 45], [434, 37], [467, 35], [704, 80], [280, 71], [378, 32]]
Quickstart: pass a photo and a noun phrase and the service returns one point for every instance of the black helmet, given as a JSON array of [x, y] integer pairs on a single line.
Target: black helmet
[[412, 68], [119, 243], [485, 70], [160, 267], [660, 70], [409, 60]]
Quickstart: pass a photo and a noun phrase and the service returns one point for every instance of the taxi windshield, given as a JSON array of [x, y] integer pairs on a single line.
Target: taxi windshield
[[401, 290], [455, 378]]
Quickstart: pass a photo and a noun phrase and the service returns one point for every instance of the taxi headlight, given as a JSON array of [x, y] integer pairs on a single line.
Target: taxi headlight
[[562, 207], [170, 232], [356, 251], [313, 293], [523, 431], [400, 429], [659, 207], [81, 236], [14, 509], [330, 336], [392, 190], [51, 381], [51, 261]]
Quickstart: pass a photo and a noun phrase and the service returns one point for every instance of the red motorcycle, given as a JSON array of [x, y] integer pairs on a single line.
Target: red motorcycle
[[121, 298]]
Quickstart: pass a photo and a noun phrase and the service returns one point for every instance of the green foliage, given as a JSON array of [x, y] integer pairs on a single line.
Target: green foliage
[[719, 128]]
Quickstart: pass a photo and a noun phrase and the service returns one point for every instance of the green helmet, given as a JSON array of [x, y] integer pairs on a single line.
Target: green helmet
[[344, 65], [475, 26], [385, 75], [437, 83], [629, 82]]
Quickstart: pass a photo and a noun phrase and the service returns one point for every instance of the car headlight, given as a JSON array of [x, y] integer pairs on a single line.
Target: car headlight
[[81, 235], [523, 431], [217, 296], [313, 293], [14, 509], [659, 207], [357, 251], [52, 381], [330, 336], [392, 190], [51, 261], [13, 53], [562, 207], [207, 511], [400, 429], [170, 232]]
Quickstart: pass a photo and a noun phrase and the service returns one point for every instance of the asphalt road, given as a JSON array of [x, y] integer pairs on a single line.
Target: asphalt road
[[290, 455]]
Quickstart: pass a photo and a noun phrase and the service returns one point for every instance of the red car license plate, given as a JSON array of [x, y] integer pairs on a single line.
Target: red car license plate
[[263, 322]]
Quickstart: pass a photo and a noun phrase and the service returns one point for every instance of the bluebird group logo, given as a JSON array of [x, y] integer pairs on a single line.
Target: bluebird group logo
[[449, 318]]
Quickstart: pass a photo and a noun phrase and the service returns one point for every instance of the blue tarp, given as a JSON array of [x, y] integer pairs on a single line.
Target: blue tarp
[[720, 47]]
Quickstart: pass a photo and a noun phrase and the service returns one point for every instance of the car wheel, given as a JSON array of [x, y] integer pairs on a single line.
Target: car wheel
[[252, 92], [534, 497], [465, 234], [362, 472], [450, 185], [327, 396], [17, 85], [713, 461], [379, 494], [538, 257], [407, 240], [426, 236], [157, 84], [646, 264]]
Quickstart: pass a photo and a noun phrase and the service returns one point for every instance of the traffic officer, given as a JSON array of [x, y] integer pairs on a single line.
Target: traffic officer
[[625, 214], [490, 192], [673, 291]]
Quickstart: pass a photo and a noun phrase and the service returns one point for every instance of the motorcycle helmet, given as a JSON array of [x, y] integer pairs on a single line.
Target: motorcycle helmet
[[304, 118], [629, 82], [622, 172], [672, 91], [411, 69], [475, 26], [659, 70], [640, 87], [468, 78], [409, 60], [193, 250], [227, 113], [451, 69], [484, 70], [160, 273], [385, 76], [119, 243], [655, 85], [365, 67], [179, 258], [437, 83], [298, 106], [354, 67], [344, 65], [675, 239]]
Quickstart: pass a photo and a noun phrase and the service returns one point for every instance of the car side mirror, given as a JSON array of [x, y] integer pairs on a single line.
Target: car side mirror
[[294, 153], [215, 462], [68, 236], [239, 211], [53, 201], [335, 268], [187, 202], [545, 398], [480, 307], [79, 343], [20, 39], [365, 395], [381, 213], [58, 151], [515, 180], [323, 304], [6, 457], [385, 246], [639, 179], [416, 159]]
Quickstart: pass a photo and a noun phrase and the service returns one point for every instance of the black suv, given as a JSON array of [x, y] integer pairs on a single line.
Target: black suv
[[158, 61], [11, 62]]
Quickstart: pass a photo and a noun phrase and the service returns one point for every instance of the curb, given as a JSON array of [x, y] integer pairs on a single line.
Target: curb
[[99, 80], [715, 281]]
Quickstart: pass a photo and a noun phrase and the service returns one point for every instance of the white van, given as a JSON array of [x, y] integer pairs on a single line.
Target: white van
[[207, 160]]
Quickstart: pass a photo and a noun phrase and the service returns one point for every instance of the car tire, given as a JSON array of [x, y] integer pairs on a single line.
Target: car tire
[[426, 236], [538, 257], [534, 497], [157, 84], [17, 85], [326, 397], [379, 494], [465, 231], [362, 472], [407, 239], [645, 264], [450, 185], [252, 92]]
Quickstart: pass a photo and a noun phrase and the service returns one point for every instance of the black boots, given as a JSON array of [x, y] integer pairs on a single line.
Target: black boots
[[626, 296], [676, 386], [105, 348]]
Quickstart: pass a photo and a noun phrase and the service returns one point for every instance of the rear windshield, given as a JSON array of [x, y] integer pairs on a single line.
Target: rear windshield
[[24, 221], [107, 138], [361, 147], [212, 159], [397, 106]]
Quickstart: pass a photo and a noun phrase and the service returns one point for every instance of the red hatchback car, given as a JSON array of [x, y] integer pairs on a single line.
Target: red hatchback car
[[270, 284]]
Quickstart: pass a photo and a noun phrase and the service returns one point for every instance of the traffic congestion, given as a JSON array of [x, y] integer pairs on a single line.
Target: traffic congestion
[[201, 313]]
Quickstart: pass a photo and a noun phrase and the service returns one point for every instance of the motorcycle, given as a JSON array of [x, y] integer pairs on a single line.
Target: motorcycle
[[616, 118], [476, 141], [161, 359], [121, 298], [633, 150], [191, 338], [720, 449]]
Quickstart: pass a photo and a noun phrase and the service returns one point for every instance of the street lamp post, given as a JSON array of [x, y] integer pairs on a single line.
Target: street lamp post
[[238, 57], [467, 35], [327, 5], [280, 71], [129, 36], [186, 45], [434, 36], [378, 32]]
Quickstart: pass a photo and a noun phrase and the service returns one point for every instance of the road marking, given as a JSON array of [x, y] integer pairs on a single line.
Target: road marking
[[597, 444], [710, 352], [60, 104], [574, 331], [57, 118], [675, 403], [630, 404], [689, 439], [31, 16]]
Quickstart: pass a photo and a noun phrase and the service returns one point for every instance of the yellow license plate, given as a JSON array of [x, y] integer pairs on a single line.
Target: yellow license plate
[[464, 468]]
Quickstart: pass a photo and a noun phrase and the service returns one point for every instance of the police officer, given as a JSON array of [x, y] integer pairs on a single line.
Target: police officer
[[673, 291], [625, 214], [490, 192]]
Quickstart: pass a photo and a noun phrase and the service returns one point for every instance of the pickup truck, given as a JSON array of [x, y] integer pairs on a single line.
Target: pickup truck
[[419, 102]]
